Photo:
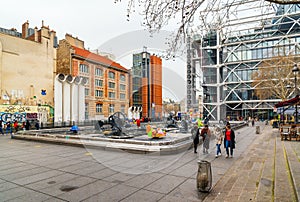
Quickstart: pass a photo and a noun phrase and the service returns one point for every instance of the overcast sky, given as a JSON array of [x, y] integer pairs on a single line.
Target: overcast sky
[[100, 24]]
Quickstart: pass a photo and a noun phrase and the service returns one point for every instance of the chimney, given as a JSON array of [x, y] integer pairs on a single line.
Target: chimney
[[36, 37], [25, 27]]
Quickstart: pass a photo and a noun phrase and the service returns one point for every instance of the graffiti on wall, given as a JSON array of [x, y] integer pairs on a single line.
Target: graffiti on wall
[[22, 113], [20, 117]]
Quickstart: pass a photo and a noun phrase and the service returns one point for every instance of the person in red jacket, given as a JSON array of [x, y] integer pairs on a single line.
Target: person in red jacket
[[138, 123], [229, 140], [16, 126]]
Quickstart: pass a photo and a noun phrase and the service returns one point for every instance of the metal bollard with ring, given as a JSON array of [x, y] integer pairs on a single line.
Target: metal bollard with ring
[[204, 176], [257, 130]]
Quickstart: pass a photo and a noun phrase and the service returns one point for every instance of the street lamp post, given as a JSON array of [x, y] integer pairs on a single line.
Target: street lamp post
[[295, 70]]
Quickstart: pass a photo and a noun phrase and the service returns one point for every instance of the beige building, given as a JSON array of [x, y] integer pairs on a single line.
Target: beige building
[[107, 88], [27, 65]]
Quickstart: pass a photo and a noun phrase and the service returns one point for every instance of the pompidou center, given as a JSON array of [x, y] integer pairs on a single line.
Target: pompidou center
[[231, 42]]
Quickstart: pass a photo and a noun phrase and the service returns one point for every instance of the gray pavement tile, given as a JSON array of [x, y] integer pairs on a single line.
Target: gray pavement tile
[[6, 186], [101, 174], [53, 199], [116, 161], [52, 181], [143, 180], [31, 196], [106, 156], [175, 164], [187, 170], [165, 184], [58, 188], [143, 195], [85, 157], [89, 168], [11, 164], [14, 193], [17, 169], [86, 191], [46, 160], [78, 166], [114, 194], [119, 177], [37, 177], [62, 164], [187, 191], [28, 157], [25, 173]]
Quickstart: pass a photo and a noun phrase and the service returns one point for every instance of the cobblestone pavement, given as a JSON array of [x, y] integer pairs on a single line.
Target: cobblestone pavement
[[263, 168]]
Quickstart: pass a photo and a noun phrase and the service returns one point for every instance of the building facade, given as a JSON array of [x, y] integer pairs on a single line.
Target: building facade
[[228, 61], [27, 63], [147, 84], [107, 88]]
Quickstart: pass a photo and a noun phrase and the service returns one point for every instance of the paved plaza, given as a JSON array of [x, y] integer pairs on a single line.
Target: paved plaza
[[263, 168]]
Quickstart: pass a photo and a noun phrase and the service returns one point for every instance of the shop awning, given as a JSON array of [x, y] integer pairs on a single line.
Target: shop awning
[[290, 102]]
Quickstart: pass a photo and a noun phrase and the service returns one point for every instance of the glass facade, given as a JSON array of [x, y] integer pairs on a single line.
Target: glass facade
[[229, 61]]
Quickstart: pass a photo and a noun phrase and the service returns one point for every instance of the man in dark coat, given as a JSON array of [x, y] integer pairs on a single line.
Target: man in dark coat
[[196, 140]]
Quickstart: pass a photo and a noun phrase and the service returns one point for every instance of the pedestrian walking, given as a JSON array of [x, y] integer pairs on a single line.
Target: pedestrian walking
[[1, 127], [196, 140], [37, 125], [219, 140], [27, 125], [229, 141], [8, 128], [253, 122], [205, 134], [16, 126]]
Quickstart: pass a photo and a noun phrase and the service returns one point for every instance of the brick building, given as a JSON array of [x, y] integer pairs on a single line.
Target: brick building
[[107, 89]]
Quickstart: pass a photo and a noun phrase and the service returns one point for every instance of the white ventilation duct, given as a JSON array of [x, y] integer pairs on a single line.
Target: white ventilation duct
[[84, 81], [69, 79], [77, 80], [61, 77], [58, 97]]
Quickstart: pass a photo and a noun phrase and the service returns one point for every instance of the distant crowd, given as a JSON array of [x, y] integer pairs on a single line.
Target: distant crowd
[[12, 127]]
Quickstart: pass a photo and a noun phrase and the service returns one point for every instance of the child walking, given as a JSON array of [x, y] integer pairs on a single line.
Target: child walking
[[219, 140]]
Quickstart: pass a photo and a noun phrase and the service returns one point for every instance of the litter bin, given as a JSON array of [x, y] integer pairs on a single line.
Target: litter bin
[[257, 129], [204, 176]]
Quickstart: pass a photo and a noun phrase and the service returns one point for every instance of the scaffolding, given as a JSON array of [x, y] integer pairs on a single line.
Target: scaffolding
[[231, 41]]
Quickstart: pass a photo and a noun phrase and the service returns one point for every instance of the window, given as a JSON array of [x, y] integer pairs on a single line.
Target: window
[[83, 68], [98, 93], [86, 92], [122, 77], [98, 82], [98, 72], [122, 87], [111, 94], [99, 108], [111, 75], [122, 96], [111, 84], [111, 108]]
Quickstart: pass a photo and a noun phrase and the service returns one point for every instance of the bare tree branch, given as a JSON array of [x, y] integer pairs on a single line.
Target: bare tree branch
[[284, 1], [159, 13]]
